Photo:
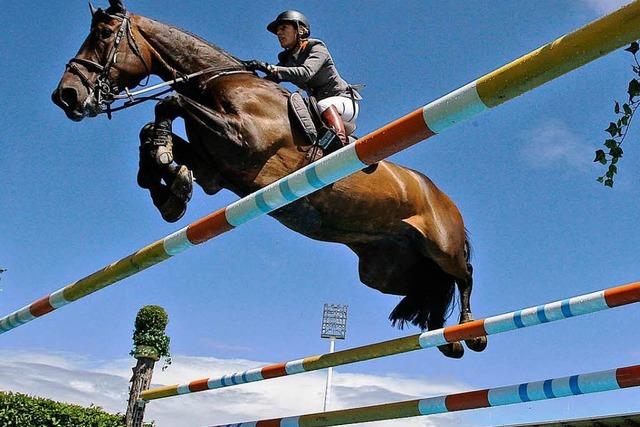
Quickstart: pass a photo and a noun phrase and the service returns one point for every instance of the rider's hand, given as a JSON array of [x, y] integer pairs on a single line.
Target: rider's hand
[[254, 65]]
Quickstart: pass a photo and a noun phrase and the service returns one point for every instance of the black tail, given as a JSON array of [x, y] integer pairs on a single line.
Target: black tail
[[468, 249], [428, 303]]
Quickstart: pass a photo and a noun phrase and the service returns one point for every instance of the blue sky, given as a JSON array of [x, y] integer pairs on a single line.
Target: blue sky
[[541, 227]]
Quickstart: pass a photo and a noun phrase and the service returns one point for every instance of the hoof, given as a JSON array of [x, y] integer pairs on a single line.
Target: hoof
[[453, 350], [172, 209], [370, 169], [148, 178], [182, 185], [477, 344]]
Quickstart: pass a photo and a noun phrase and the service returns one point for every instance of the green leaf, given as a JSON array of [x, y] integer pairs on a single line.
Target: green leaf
[[616, 152], [608, 182], [625, 120], [627, 109], [600, 179], [613, 169], [616, 108], [634, 88], [600, 157], [614, 160], [633, 48], [610, 143], [612, 129]]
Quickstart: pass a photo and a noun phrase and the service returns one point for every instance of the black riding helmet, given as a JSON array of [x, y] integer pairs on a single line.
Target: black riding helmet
[[290, 16]]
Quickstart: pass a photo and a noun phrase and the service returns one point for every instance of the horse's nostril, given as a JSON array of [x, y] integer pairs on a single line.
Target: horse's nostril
[[69, 97]]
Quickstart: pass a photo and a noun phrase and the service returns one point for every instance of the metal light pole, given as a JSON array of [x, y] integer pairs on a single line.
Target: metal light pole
[[334, 326]]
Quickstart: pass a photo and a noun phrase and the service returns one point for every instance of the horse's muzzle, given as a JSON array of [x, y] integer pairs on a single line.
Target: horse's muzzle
[[67, 98], [75, 102]]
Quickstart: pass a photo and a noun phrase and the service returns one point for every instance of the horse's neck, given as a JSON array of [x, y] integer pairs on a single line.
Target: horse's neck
[[176, 50]]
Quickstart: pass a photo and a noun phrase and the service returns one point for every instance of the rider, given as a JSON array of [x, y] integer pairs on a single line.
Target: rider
[[307, 63]]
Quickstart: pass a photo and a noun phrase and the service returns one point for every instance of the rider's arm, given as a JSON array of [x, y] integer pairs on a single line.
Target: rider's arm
[[300, 75]]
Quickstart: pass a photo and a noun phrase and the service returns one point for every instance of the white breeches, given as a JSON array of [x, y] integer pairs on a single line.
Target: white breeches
[[347, 108]]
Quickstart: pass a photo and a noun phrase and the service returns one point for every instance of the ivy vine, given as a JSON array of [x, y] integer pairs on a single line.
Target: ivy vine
[[618, 129]]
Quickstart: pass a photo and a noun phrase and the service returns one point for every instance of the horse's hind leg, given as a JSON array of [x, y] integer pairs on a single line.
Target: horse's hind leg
[[464, 287], [400, 268]]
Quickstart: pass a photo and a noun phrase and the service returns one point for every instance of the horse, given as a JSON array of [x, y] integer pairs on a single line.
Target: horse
[[408, 235]]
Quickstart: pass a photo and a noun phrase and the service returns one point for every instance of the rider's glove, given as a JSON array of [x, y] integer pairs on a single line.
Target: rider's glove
[[254, 65]]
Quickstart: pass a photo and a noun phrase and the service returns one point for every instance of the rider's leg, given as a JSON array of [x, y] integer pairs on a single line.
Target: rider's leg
[[333, 119], [335, 111]]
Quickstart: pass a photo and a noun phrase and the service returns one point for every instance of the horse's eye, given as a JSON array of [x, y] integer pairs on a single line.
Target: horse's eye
[[105, 33]]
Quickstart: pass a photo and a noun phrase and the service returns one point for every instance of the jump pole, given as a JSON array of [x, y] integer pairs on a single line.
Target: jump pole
[[558, 310], [522, 75], [575, 385]]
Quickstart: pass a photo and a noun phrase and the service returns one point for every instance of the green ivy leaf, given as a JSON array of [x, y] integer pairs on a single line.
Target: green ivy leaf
[[616, 108], [612, 129], [633, 48], [634, 88], [610, 143], [600, 179], [625, 120], [600, 157], [608, 182], [616, 152], [627, 109], [613, 169]]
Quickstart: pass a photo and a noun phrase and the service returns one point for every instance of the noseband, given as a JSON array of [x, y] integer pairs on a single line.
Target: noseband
[[104, 89]]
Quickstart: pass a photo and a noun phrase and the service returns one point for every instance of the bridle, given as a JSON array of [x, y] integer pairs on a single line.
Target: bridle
[[106, 91]]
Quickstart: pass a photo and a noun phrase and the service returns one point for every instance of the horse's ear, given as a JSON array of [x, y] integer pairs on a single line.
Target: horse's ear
[[117, 6], [93, 9]]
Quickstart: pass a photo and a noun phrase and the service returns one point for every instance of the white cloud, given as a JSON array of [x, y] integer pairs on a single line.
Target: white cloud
[[605, 6], [554, 145], [81, 380]]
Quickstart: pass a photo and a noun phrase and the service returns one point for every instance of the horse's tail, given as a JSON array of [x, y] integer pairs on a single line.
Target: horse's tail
[[427, 305], [468, 249]]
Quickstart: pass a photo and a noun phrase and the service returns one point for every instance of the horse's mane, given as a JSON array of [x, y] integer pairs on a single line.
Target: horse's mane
[[194, 44]]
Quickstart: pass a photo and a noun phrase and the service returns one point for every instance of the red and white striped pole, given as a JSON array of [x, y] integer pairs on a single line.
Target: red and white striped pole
[[575, 385]]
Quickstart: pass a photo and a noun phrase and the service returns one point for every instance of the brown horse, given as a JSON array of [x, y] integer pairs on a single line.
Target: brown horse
[[409, 236]]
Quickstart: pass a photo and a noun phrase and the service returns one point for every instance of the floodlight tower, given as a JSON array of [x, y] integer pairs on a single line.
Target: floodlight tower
[[334, 326]]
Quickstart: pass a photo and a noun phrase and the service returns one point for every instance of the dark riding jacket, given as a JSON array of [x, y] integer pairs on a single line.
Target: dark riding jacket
[[311, 69]]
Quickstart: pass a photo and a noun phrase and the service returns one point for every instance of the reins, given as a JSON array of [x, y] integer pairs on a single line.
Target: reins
[[105, 90], [132, 99]]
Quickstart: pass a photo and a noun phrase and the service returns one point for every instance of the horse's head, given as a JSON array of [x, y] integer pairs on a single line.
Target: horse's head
[[109, 60]]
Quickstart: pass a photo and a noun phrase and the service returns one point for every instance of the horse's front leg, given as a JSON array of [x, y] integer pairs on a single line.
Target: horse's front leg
[[170, 184]]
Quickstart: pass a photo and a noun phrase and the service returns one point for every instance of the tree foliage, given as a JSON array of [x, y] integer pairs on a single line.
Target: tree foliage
[[617, 130], [20, 410], [149, 339]]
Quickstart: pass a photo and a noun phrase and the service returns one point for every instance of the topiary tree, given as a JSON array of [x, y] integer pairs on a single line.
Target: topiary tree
[[150, 344], [149, 339]]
